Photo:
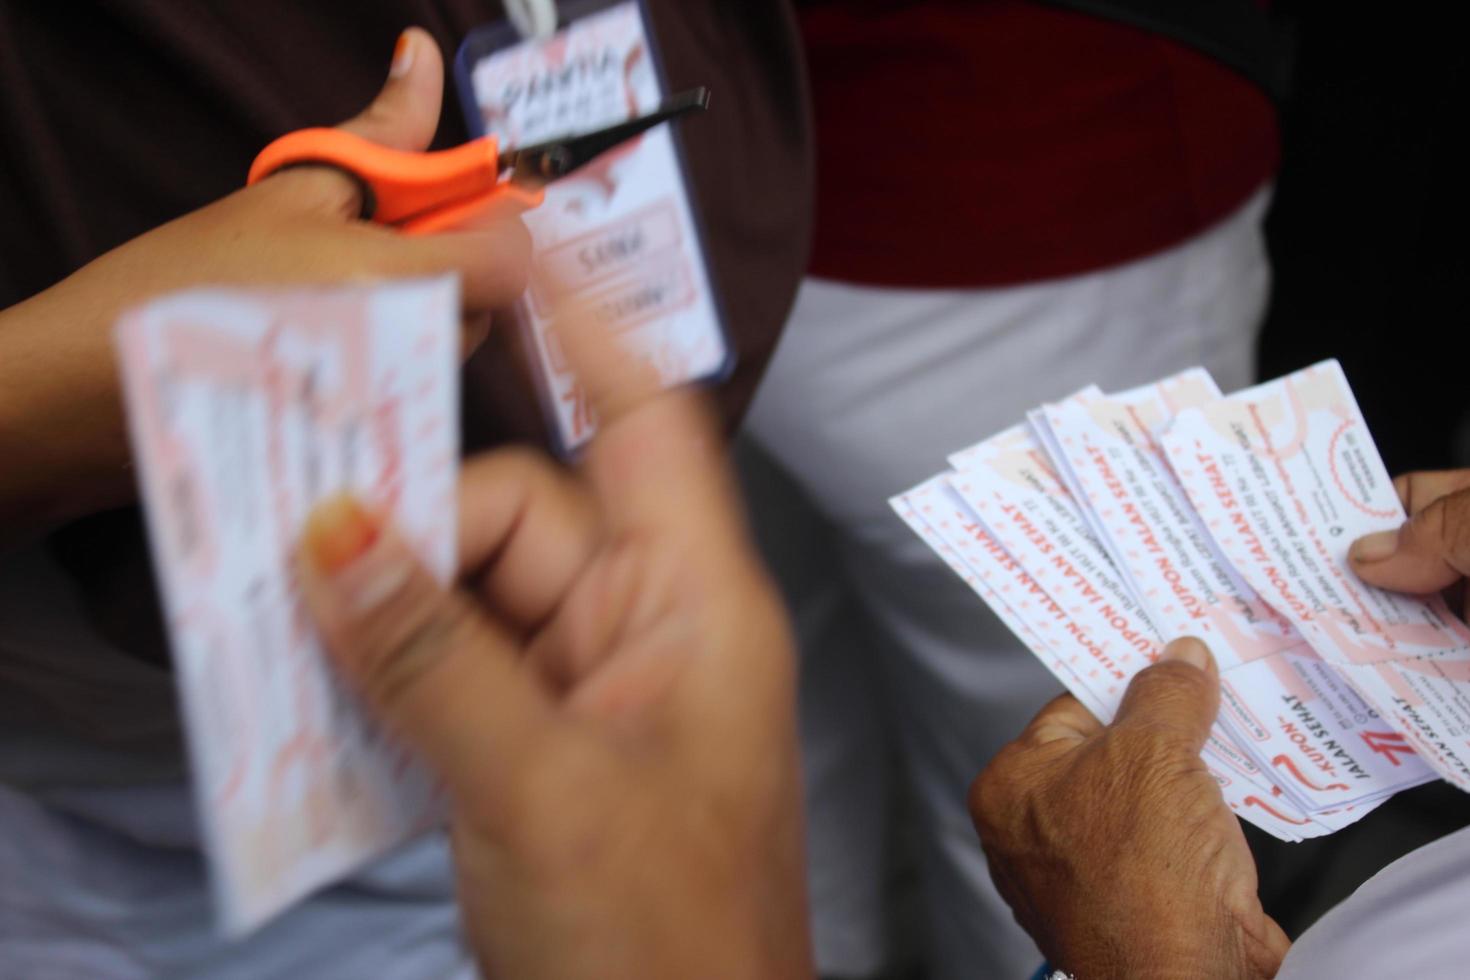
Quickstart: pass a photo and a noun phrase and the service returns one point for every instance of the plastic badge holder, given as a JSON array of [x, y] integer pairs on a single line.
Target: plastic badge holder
[[621, 236]]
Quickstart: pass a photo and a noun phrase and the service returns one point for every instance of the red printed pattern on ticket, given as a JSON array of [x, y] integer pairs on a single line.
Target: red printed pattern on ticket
[[246, 409]]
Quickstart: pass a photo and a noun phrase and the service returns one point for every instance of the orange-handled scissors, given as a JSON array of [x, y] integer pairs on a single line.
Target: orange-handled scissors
[[421, 193]]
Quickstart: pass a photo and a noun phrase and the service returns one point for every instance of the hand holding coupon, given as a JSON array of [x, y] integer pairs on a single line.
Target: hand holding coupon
[[249, 408], [1109, 525], [608, 657]]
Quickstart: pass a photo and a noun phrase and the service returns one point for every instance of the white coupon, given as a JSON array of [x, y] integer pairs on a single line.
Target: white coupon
[[1285, 475], [618, 236], [1311, 730], [1012, 488], [936, 513], [1148, 525], [1189, 588], [1230, 523], [1095, 624], [945, 521], [247, 408], [1040, 430]]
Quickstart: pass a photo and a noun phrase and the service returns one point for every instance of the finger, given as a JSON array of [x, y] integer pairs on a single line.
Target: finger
[[619, 592], [1418, 490], [1064, 717], [493, 263], [530, 527], [658, 460], [1272, 945], [1177, 698], [403, 116], [421, 655], [474, 330], [1401, 487], [405, 113], [1429, 552]]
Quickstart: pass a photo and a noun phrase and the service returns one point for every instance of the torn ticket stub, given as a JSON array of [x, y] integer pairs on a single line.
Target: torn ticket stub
[[246, 409]]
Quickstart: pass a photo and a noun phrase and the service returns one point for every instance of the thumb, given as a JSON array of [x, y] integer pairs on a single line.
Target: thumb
[[1178, 697], [1429, 552], [424, 658], [405, 114]]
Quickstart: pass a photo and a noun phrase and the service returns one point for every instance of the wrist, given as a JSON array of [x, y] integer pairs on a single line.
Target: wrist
[[661, 924], [1151, 947]]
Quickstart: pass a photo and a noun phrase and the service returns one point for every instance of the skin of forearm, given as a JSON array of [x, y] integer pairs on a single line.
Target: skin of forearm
[[63, 442]]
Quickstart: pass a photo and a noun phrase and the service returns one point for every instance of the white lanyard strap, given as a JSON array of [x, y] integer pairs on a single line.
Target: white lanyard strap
[[533, 18]]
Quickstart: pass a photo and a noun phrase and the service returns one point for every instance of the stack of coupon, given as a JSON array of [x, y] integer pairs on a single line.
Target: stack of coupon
[[1106, 525]]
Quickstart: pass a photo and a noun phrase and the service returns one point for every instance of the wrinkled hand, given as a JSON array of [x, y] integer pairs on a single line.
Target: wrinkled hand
[[1430, 552], [608, 694], [61, 425], [1112, 844]]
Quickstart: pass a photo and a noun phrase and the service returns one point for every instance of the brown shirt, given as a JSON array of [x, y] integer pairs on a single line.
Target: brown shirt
[[118, 115]]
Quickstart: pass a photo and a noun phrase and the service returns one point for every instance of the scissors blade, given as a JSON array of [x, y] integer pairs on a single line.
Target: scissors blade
[[549, 160]]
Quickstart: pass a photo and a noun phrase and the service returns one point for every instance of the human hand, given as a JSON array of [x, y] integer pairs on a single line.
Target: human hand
[[1112, 843], [1430, 552], [61, 425], [608, 695]]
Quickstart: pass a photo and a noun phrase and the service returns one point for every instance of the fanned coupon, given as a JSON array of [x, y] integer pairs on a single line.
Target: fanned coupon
[[246, 409], [1109, 524]]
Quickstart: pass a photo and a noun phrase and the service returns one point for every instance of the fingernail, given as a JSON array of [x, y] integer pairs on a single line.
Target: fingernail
[[1374, 547], [402, 56], [1188, 650], [357, 564], [338, 532]]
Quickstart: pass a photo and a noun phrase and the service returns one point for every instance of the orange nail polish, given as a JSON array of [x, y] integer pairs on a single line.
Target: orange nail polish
[[338, 532], [402, 56]]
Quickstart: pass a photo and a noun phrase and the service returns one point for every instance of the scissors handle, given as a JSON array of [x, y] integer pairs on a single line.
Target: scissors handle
[[421, 192]]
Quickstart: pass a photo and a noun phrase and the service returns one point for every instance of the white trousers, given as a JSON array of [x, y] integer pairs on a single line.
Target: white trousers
[[867, 392]]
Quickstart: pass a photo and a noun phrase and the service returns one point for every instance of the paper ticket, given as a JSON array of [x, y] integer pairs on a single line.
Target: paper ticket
[[246, 408], [1092, 534], [1190, 588], [1285, 476], [1083, 612], [1303, 722], [1040, 430], [1014, 491], [938, 515], [935, 513], [1185, 583]]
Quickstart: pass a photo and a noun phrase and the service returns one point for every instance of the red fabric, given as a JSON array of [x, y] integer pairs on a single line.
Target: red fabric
[[991, 142]]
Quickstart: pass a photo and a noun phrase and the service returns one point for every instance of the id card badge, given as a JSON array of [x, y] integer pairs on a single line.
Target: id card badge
[[620, 236]]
